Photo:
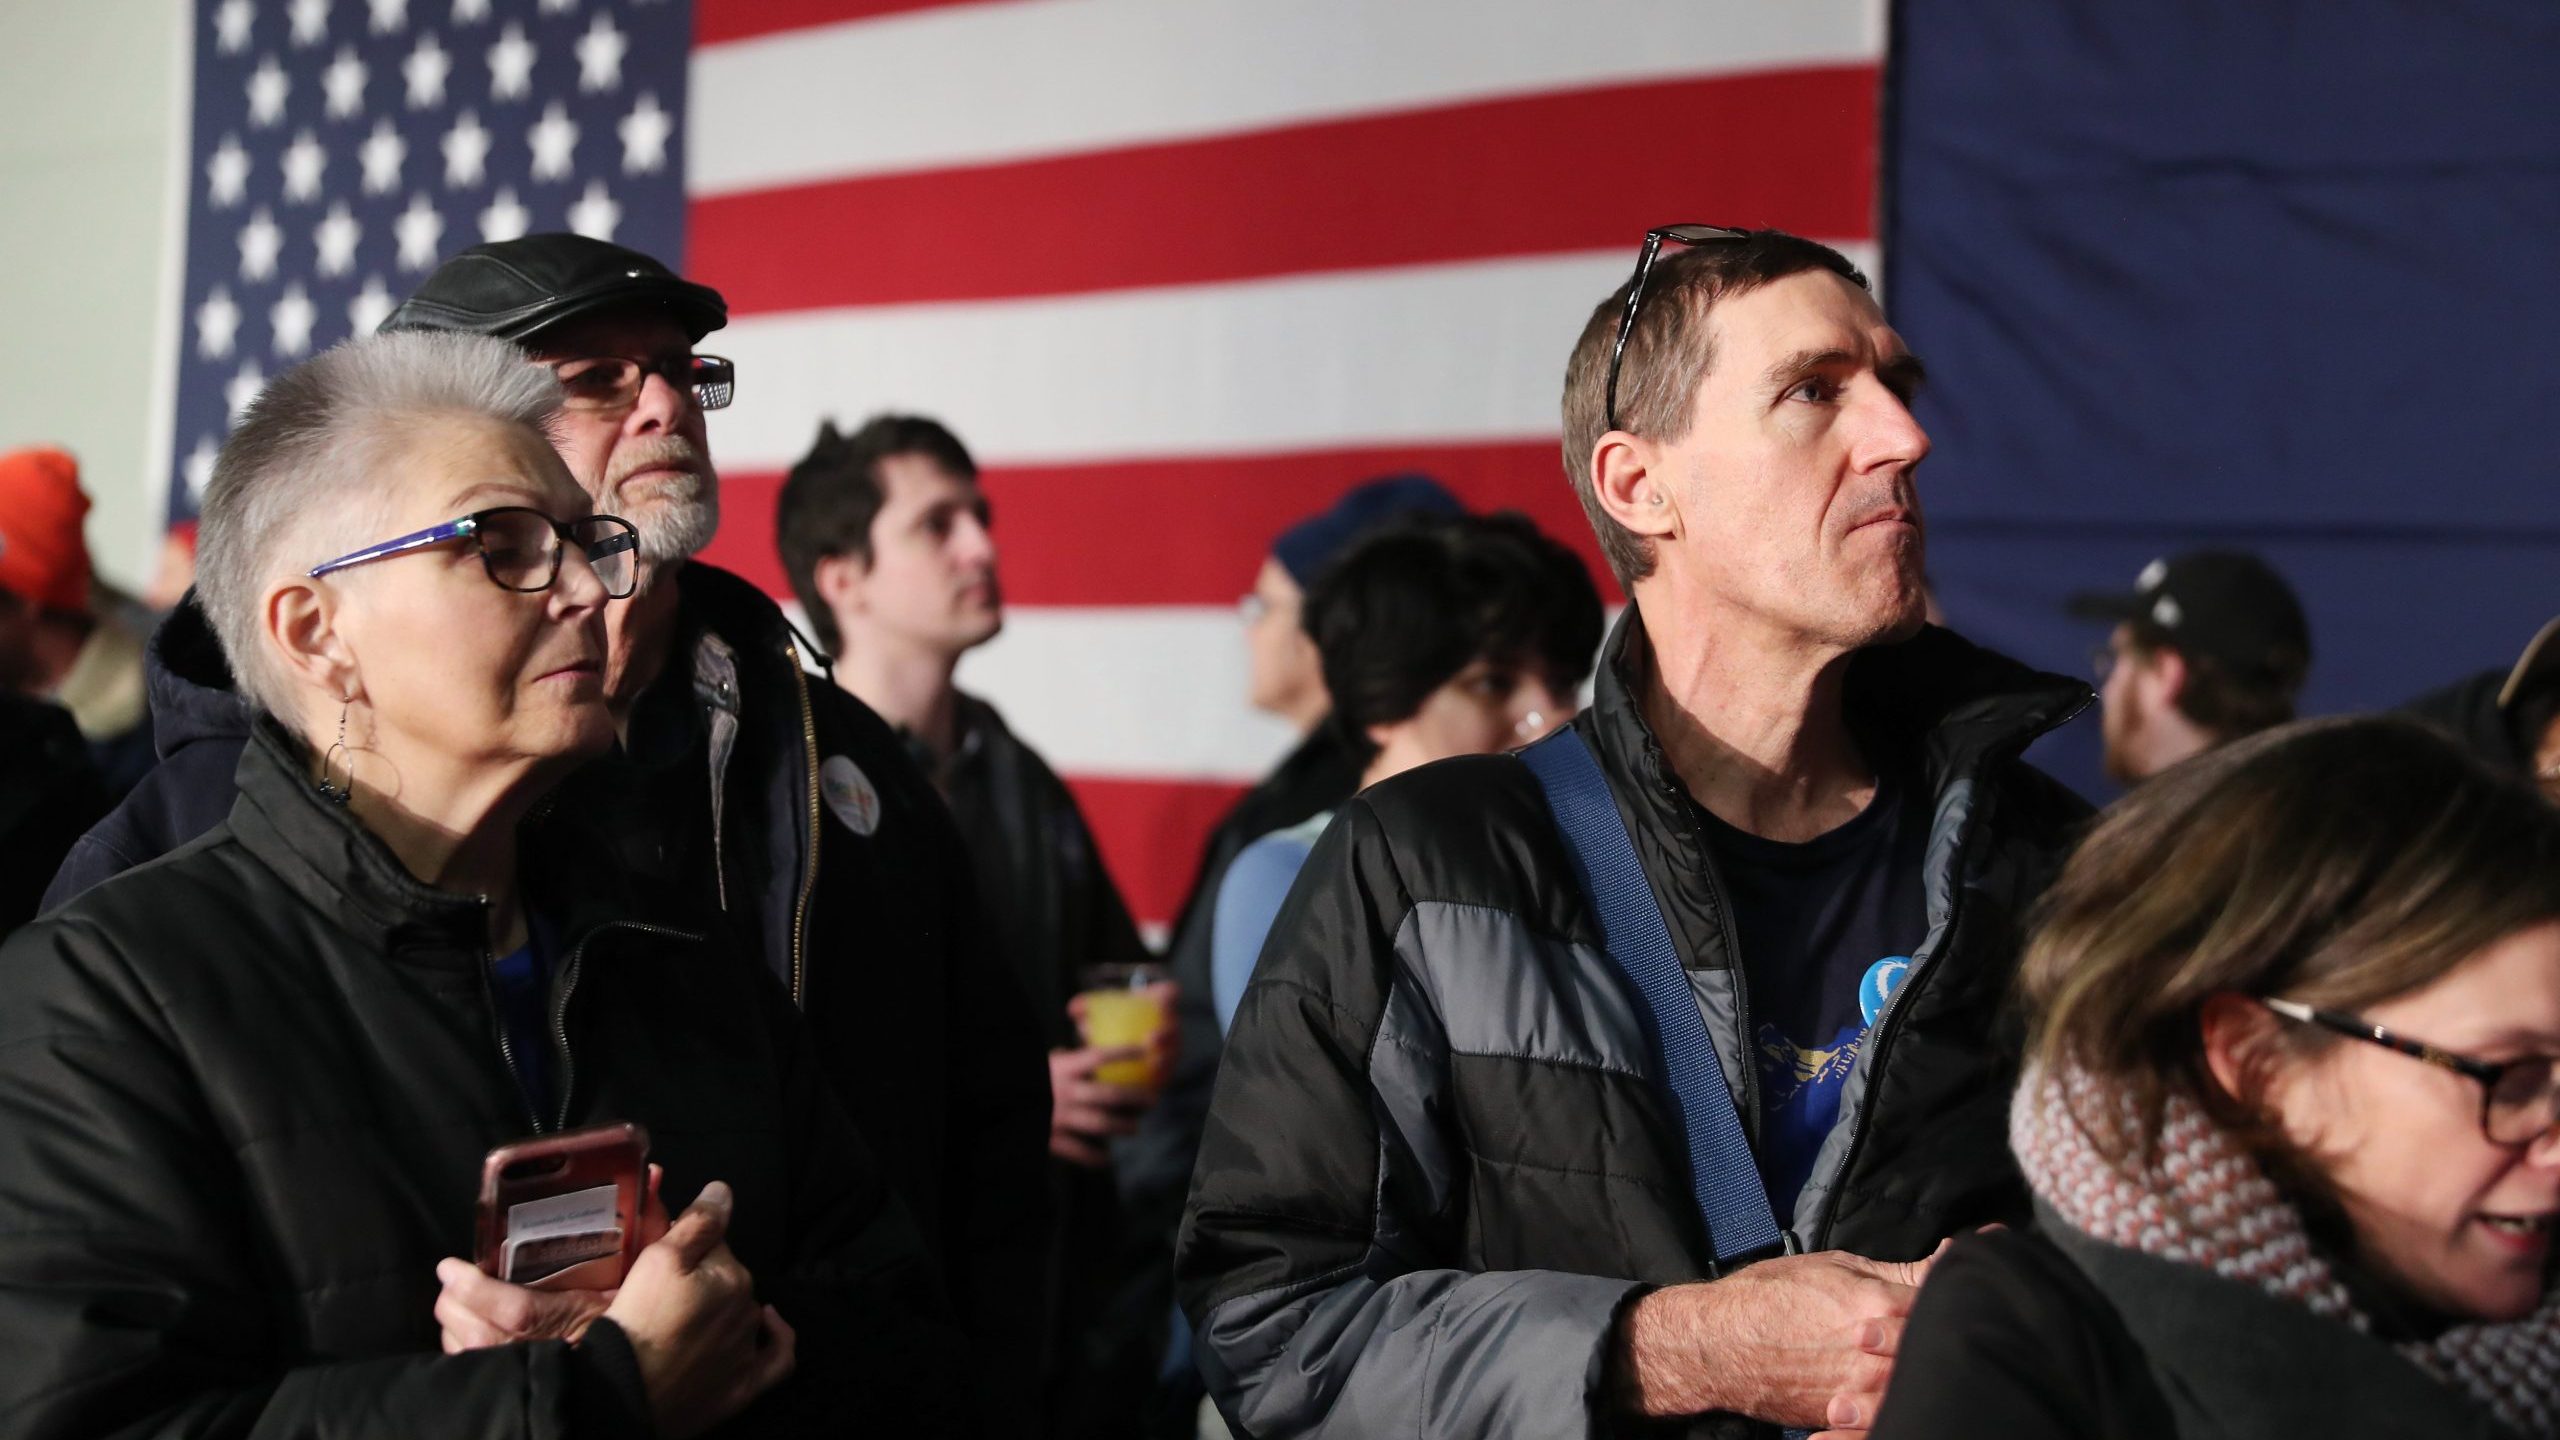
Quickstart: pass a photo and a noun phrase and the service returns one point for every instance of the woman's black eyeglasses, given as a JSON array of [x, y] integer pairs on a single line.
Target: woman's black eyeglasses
[[1686, 235], [521, 548], [2519, 1099]]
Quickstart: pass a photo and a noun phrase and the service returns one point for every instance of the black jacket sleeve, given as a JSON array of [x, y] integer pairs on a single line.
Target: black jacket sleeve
[[131, 1303], [2008, 1338], [996, 1166], [876, 1338]]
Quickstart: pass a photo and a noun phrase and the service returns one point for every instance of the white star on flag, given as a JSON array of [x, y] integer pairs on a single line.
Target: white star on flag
[[504, 219], [290, 317], [199, 466], [344, 80], [231, 21], [335, 239], [595, 214], [511, 65], [600, 53], [244, 387], [466, 11], [382, 154], [419, 228], [466, 152], [310, 21], [217, 321], [425, 70], [227, 174], [260, 241], [268, 86], [304, 161], [558, 7], [370, 308], [555, 143], [644, 135], [389, 15]]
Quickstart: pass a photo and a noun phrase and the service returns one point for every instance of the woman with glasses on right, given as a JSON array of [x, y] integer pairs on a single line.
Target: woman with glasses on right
[[2288, 1114]]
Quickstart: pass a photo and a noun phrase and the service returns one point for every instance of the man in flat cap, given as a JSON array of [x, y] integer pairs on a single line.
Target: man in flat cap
[[742, 782]]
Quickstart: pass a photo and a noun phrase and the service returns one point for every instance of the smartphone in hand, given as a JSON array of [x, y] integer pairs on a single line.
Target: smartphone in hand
[[562, 1212]]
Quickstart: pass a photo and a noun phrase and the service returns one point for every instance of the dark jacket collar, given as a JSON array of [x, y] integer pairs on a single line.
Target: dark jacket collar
[[1955, 704], [334, 864], [192, 695]]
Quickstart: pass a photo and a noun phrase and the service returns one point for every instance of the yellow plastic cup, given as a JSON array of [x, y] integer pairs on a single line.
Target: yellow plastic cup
[[1119, 1010]]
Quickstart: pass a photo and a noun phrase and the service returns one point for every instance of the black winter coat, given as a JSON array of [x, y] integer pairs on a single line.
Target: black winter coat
[[1435, 1170], [244, 1096], [927, 1038], [2028, 1338]]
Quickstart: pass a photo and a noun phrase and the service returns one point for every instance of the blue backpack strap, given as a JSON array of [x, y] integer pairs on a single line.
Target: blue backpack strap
[[1723, 1175]]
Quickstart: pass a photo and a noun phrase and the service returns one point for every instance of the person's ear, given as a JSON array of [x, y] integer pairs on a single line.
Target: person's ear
[[2235, 1031], [2166, 670], [299, 625], [1632, 487], [838, 580]]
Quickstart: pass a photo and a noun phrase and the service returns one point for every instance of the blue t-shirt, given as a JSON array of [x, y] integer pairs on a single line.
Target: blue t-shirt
[[1814, 920]]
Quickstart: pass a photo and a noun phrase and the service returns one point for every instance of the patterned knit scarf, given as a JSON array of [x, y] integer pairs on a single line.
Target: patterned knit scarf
[[2204, 1201]]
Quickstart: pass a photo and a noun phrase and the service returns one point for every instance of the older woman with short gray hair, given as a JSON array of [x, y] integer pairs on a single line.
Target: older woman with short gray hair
[[246, 1090]]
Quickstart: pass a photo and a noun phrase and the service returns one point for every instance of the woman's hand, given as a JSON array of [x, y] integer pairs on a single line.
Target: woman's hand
[[476, 1312], [706, 1348]]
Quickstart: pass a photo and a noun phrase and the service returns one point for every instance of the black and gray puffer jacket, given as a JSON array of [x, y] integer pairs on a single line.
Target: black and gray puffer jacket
[[1435, 1170]]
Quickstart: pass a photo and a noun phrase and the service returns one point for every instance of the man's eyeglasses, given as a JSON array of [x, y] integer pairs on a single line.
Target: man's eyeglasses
[[1686, 235], [521, 548], [2519, 1099], [613, 382]]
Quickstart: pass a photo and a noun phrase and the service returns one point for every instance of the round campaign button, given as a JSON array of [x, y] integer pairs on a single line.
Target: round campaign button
[[850, 794], [1876, 988]]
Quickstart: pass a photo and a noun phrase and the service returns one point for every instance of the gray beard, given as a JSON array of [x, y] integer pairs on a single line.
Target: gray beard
[[679, 529]]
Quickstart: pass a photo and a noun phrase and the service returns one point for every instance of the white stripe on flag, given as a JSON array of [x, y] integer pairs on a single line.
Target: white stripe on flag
[[1143, 692], [981, 83], [1437, 352]]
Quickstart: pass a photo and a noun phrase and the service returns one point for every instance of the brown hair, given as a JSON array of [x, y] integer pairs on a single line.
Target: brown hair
[[2229, 702], [1668, 352], [2336, 862]]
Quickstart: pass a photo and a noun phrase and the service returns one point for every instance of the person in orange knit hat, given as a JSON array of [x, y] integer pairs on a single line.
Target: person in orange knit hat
[[57, 642]]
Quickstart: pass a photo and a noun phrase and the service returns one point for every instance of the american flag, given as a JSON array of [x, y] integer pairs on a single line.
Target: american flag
[[1179, 271]]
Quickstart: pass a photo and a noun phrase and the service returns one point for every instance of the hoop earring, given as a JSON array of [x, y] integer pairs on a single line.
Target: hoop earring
[[339, 795]]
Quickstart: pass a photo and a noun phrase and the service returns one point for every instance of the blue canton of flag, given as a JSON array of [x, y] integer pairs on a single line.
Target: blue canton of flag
[[341, 148]]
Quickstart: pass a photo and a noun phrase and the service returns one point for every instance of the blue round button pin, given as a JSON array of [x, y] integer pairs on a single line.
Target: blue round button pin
[[1876, 987]]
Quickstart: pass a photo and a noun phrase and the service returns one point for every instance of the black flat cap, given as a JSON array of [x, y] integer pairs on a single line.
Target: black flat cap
[[513, 288]]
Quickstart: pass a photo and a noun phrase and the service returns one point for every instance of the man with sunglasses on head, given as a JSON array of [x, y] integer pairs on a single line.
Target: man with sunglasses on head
[[1634, 1079], [741, 782]]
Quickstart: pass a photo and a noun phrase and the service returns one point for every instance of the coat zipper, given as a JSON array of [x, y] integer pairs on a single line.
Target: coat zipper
[[1901, 1000], [568, 983], [808, 871], [498, 1022]]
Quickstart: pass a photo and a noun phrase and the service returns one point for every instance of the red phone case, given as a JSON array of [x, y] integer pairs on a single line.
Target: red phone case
[[543, 1188]]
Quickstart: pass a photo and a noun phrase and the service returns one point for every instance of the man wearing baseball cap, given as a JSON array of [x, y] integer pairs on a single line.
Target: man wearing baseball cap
[[2208, 646], [742, 784]]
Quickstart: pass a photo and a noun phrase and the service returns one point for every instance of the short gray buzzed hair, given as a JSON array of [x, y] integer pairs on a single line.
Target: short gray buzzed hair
[[309, 464]]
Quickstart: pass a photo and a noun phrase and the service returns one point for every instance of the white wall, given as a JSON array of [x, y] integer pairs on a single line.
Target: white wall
[[94, 92]]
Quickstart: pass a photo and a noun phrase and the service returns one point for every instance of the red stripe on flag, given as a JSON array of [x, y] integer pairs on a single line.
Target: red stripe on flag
[[1150, 833], [717, 20], [1587, 169], [1181, 532]]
